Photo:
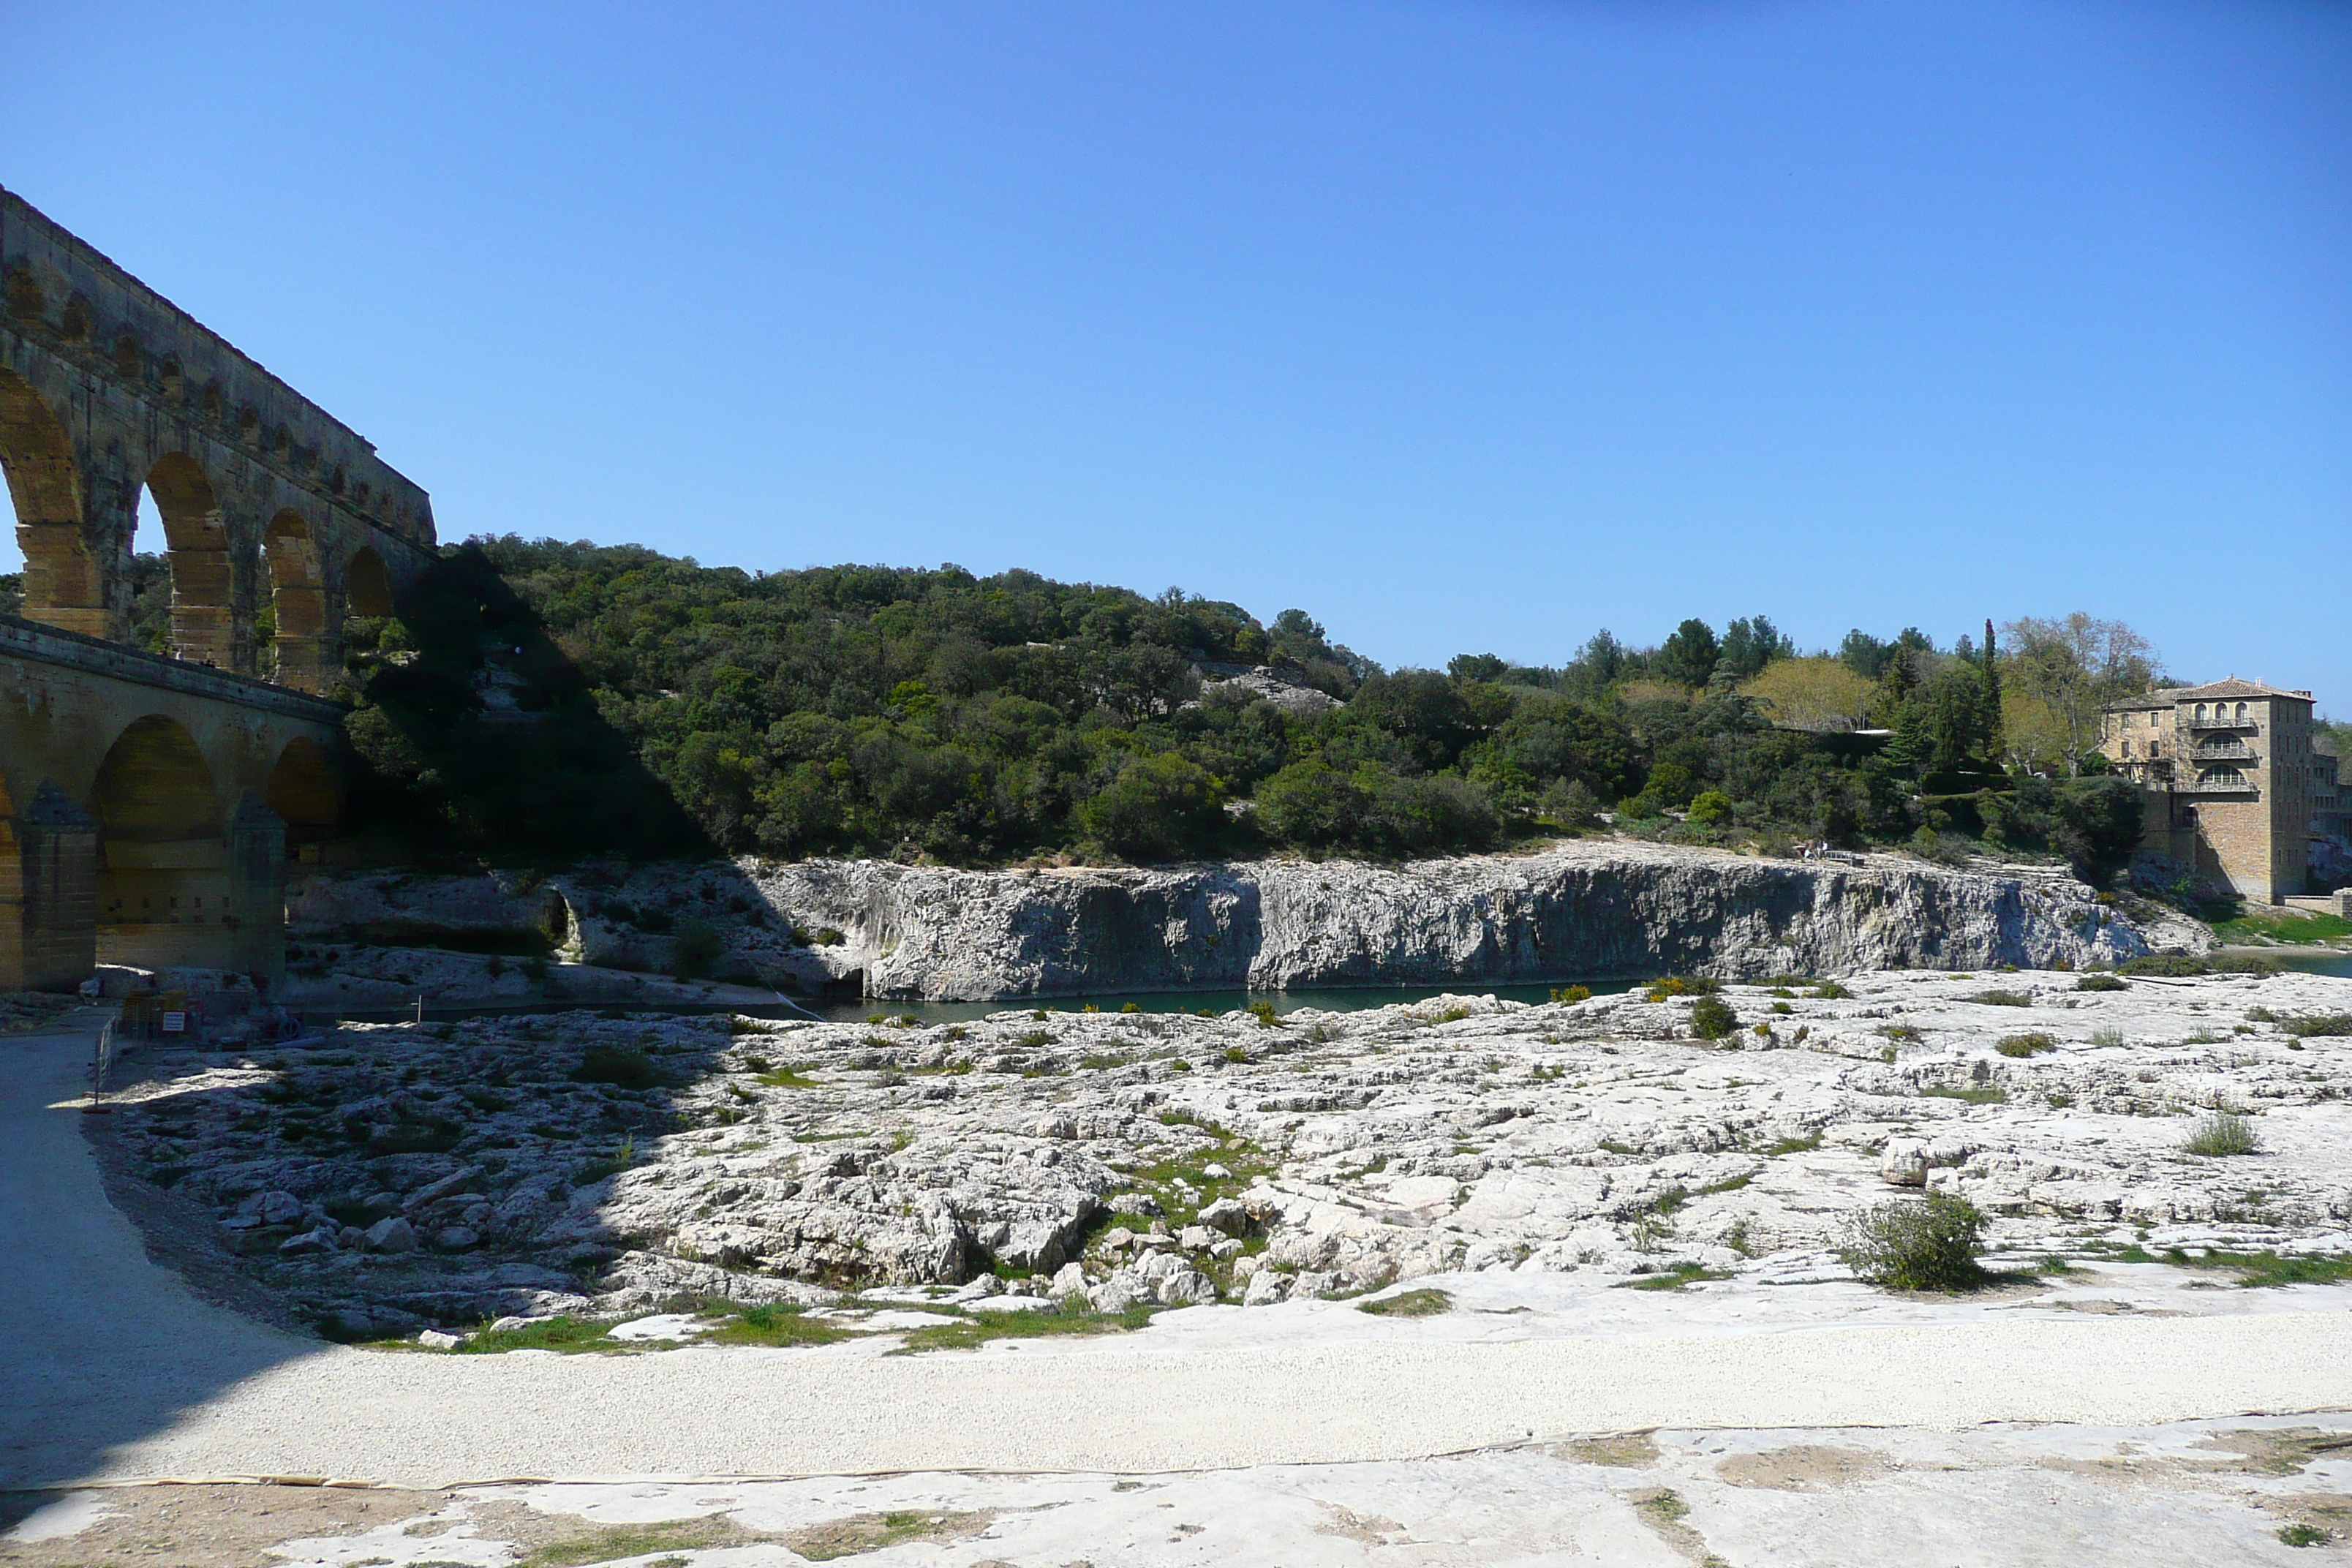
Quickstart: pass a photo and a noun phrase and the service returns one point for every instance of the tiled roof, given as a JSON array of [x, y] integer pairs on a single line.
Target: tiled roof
[[2232, 687]]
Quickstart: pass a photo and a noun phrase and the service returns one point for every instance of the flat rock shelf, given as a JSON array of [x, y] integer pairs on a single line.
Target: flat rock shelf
[[394, 1178]]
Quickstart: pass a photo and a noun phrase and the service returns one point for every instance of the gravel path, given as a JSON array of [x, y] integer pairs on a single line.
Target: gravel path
[[114, 1369]]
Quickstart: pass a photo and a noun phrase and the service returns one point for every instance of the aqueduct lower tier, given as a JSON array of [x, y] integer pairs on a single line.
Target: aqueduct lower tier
[[278, 519], [145, 807]]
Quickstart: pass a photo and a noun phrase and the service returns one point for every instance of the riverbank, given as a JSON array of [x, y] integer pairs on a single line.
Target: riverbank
[[1570, 913]]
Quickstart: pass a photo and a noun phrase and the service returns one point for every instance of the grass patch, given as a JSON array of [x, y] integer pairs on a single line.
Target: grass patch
[[2318, 1023], [568, 1334], [2220, 1135], [787, 1077], [1674, 1278], [1829, 991], [864, 1532], [776, 1323], [2185, 966], [1804, 1145], [2022, 1046], [2300, 1535], [2103, 982], [2268, 1271], [970, 1333], [2299, 929], [621, 1541], [2000, 999], [1426, 1303], [1974, 1094]]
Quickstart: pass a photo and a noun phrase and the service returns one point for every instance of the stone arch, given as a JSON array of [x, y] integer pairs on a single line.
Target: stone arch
[[154, 786], [195, 540], [367, 585], [305, 791], [63, 583], [169, 889], [297, 595]]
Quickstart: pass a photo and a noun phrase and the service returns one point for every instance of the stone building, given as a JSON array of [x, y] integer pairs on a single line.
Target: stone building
[[2233, 780]]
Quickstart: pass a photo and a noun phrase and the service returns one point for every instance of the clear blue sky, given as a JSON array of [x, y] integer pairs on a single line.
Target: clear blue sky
[[1469, 326]]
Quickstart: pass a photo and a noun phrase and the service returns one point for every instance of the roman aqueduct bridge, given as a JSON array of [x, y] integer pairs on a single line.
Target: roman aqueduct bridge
[[145, 801]]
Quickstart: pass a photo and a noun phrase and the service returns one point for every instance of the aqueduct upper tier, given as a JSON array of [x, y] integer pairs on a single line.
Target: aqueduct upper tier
[[266, 499]]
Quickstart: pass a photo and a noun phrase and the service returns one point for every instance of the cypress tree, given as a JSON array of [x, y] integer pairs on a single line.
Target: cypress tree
[[1989, 703]]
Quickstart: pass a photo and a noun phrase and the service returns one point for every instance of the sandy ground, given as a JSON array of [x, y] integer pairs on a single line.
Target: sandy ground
[[1827, 1430]]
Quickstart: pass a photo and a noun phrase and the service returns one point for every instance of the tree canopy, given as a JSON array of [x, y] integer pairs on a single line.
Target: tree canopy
[[537, 692]]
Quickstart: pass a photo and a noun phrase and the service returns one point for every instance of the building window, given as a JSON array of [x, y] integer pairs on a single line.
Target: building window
[[2242, 712], [2200, 711]]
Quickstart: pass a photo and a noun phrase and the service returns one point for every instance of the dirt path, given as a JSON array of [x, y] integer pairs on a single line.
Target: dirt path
[[104, 1346]]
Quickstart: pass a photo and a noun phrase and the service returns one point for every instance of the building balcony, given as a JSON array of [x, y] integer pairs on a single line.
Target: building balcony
[[2220, 786], [2222, 752], [2247, 726]]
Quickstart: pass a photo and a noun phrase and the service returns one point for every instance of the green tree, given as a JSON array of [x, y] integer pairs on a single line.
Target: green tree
[[1689, 656], [1749, 646], [1158, 807]]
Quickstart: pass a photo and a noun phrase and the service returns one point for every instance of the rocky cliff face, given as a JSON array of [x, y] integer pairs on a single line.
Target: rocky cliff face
[[1582, 910]]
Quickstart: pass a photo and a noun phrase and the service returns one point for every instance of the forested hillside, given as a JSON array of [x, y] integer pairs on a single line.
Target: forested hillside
[[930, 712]]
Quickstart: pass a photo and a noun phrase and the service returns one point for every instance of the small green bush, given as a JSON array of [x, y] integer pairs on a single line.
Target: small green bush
[[2101, 982], [2305, 1028], [1571, 995], [2031, 1045], [1930, 1245], [1710, 808], [2222, 1134], [2000, 999], [696, 950], [1264, 1012], [1713, 1019], [1682, 985], [1830, 991], [623, 1067]]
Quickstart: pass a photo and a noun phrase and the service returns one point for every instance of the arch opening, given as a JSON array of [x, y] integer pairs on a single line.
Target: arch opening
[[367, 586], [164, 877], [62, 583], [306, 792], [154, 786], [196, 547]]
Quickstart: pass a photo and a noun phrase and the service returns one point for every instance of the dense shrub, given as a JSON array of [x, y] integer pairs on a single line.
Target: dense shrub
[[1712, 1019], [1929, 1245], [696, 950], [2220, 1135], [620, 1065]]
